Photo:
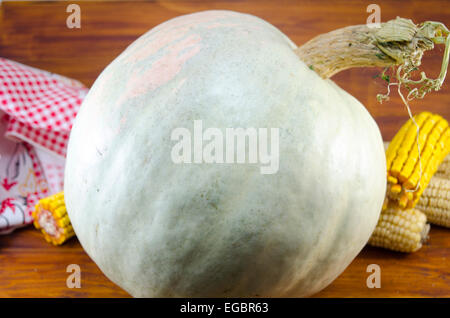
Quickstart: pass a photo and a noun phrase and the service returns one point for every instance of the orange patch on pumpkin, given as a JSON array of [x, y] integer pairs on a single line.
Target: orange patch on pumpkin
[[165, 68]]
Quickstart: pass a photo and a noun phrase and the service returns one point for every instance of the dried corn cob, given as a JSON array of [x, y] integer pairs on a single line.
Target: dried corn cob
[[405, 181], [435, 201], [50, 216], [400, 230]]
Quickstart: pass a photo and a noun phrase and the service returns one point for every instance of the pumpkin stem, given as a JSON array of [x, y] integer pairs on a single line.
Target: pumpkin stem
[[398, 45]]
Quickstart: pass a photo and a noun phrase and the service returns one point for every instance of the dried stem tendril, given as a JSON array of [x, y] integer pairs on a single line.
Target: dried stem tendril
[[438, 34]]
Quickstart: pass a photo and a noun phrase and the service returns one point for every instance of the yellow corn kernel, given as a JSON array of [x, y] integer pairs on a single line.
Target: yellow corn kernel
[[392, 180], [400, 230], [396, 188], [403, 201], [50, 216], [435, 201]]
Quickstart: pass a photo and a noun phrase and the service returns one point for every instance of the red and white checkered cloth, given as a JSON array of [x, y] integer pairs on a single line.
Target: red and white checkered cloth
[[37, 109]]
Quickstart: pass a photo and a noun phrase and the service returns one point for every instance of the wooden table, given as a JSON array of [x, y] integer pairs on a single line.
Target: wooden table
[[36, 34]]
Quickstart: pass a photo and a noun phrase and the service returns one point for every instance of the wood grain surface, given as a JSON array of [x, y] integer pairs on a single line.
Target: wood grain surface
[[35, 33]]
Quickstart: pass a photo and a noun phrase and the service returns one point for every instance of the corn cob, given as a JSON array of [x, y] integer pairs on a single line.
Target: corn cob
[[406, 183], [401, 227], [50, 216], [435, 201], [400, 230], [444, 168]]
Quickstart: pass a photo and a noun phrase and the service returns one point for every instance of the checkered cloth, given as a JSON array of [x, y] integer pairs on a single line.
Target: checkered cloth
[[37, 109]]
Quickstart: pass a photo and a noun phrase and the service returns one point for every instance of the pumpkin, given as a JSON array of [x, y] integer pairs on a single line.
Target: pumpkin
[[159, 228]]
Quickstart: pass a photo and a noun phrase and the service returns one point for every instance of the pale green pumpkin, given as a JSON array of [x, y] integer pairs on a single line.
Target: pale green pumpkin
[[160, 229]]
